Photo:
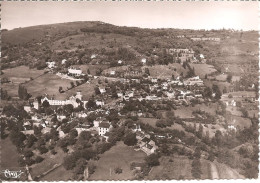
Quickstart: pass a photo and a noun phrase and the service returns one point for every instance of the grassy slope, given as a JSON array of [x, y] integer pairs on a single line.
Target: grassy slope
[[118, 156], [9, 154]]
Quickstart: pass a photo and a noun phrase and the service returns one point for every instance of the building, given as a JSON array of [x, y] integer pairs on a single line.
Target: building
[[73, 100], [103, 128], [143, 60], [50, 65], [193, 81], [75, 71]]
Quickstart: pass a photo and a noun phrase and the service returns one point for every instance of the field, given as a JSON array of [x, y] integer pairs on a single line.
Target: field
[[180, 167], [225, 172], [152, 122], [186, 112], [21, 72], [238, 121], [9, 154], [92, 68], [203, 69], [48, 163], [166, 71], [118, 156], [18, 75], [59, 174], [48, 83], [211, 128]]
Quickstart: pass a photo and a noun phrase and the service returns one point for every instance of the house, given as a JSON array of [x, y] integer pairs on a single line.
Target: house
[[63, 61], [136, 128], [27, 108], [119, 61], [112, 72], [93, 56], [100, 103], [102, 90], [50, 65], [103, 128], [75, 71], [60, 117], [35, 104], [154, 80], [193, 81], [143, 60]]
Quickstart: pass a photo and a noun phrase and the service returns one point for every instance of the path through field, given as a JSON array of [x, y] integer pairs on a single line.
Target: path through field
[[214, 171]]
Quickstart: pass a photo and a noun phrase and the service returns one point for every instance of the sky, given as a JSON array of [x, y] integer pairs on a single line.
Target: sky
[[185, 15]]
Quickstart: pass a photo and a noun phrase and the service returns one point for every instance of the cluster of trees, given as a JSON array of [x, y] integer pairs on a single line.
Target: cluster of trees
[[22, 93], [170, 118], [196, 164], [4, 95]]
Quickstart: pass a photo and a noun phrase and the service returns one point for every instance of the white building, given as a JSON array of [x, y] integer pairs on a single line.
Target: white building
[[143, 60], [103, 128], [50, 65], [193, 81], [100, 103], [73, 100], [75, 71], [63, 61]]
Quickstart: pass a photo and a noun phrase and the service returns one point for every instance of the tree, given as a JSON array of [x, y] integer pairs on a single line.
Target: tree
[[118, 170], [207, 92], [68, 109], [197, 153], [88, 71], [130, 139], [60, 89], [160, 123], [22, 93], [72, 84], [152, 160], [97, 91], [45, 104], [80, 166], [229, 78], [147, 71], [196, 169], [69, 162], [39, 159], [91, 103], [28, 153], [217, 92]]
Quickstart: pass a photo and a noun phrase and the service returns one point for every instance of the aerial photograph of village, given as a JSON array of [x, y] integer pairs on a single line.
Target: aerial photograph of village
[[127, 95]]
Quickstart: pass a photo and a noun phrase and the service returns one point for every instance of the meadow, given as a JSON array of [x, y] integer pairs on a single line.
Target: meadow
[[202, 69], [120, 156]]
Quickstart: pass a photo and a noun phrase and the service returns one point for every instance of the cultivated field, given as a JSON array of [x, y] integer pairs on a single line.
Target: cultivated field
[[48, 83], [166, 71], [203, 69], [121, 156], [167, 170], [21, 72], [186, 112]]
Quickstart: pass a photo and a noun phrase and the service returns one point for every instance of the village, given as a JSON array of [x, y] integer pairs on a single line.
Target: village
[[156, 109]]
